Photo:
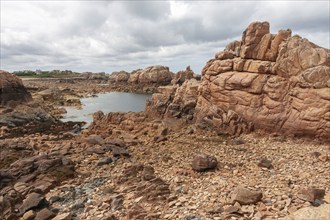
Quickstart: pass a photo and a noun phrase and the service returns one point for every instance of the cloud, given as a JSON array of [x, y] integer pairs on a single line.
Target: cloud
[[115, 35]]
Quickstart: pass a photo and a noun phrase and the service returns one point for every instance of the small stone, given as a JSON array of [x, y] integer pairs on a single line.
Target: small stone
[[30, 215], [202, 162], [245, 196], [64, 216], [215, 209], [95, 139], [45, 214], [104, 161], [231, 209], [265, 163], [324, 157], [119, 151]]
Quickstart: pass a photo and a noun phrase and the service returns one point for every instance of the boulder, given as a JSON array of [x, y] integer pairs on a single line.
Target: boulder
[[274, 82], [119, 77], [160, 75], [321, 212], [12, 89], [202, 162], [285, 79]]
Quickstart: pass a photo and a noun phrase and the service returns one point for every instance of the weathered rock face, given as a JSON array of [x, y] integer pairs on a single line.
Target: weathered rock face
[[273, 82], [155, 75], [12, 89], [134, 77], [181, 76], [174, 101], [119, 77]]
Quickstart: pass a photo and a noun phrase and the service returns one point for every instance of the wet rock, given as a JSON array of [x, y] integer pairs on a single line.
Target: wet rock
[[33, 200], [202, 162], [245, 196]]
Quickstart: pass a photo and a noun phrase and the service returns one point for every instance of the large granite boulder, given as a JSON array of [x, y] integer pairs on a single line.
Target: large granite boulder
[[119, 77], [12, 89], [160, 75], [273, 82]]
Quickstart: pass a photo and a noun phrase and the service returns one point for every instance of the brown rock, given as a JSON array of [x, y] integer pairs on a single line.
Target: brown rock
[[95, 139], [45, 214], [321, 212], [32, 200], [155, 75], [30, 215], [245, 196], [181, 76], [119, 77], [293, 69], [119, 151], [311, 194], [202, 162], [265, 163], [64, 216], [12, 89]]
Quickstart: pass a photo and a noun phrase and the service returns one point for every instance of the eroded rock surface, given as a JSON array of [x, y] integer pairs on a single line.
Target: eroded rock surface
[[276, 82], [272, 82], [12, 89]]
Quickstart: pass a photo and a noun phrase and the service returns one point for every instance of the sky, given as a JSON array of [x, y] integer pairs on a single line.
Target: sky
[[107, 36]]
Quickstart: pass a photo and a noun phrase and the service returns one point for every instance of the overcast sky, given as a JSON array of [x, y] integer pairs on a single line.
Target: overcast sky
[[125, 35]]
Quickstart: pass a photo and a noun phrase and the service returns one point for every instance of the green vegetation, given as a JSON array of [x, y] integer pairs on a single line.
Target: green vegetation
[[46, 74]]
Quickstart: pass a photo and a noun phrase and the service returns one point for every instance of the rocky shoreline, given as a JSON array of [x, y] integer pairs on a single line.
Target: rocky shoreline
[[197, 152]]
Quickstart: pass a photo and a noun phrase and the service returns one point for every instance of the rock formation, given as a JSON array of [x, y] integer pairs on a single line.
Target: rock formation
[[181, 76], [119, 77], [277, 82], [12, 89], [153, 75], [273, 82]]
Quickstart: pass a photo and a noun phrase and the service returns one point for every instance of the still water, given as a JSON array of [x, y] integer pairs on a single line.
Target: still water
[[107, 102]]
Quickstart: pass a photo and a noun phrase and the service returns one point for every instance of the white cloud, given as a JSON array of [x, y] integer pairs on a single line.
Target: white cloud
[[115, 35]]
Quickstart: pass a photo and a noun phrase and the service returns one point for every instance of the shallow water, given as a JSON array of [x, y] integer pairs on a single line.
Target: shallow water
[[107, 102]]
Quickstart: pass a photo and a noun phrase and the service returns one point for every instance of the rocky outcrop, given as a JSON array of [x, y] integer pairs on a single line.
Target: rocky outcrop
[[276, 82], [119, 77], [272, 82], [160, 75], [174, 101], [181, 76], [12, 89]]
